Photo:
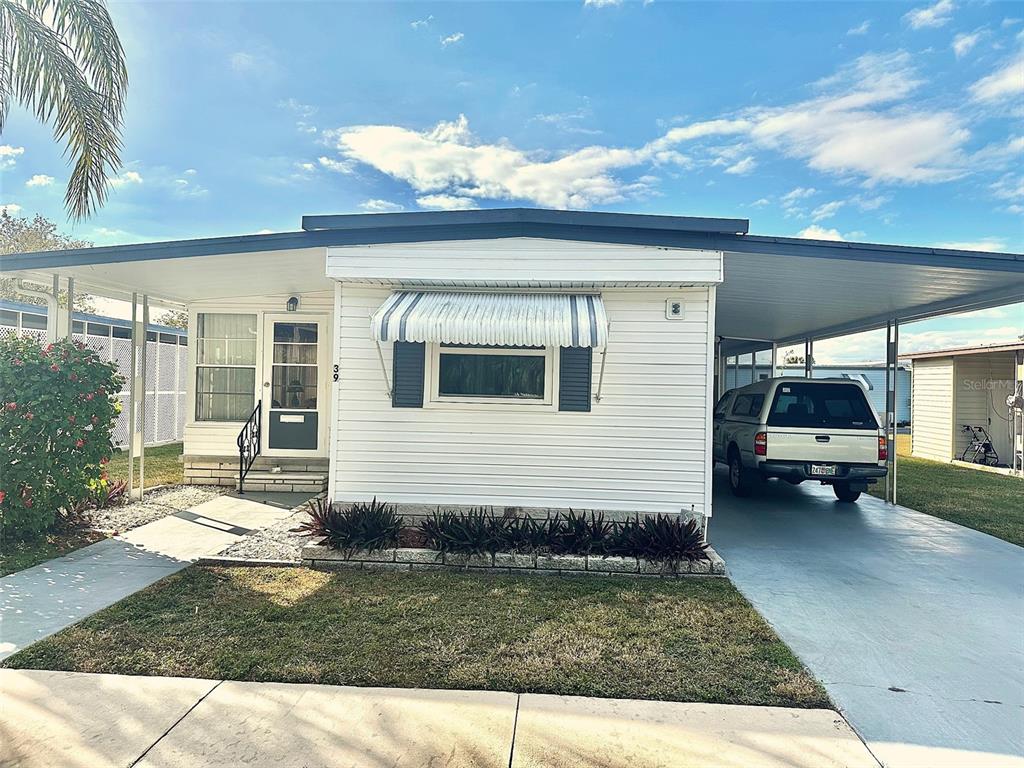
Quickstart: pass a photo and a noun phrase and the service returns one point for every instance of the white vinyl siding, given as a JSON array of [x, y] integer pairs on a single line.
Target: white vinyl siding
[[932, 408], [522, 261], [218, 438], [641, 449]]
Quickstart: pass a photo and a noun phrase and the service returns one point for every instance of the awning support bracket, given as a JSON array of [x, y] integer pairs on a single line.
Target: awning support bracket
[[384, 370], [600, 375]]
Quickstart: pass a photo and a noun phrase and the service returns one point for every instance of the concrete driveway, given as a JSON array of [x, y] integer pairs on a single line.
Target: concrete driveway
[[915, 625]]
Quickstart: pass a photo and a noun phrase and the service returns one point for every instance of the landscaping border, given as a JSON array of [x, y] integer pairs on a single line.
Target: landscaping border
[[323, 558]]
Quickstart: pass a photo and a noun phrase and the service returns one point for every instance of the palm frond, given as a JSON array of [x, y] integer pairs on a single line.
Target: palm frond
[[52, 79]]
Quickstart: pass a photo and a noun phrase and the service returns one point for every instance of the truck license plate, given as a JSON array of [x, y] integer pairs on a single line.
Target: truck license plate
[[823, 470]]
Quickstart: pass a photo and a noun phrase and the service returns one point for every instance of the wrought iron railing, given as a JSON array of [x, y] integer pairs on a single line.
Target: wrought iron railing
[[249, 440]]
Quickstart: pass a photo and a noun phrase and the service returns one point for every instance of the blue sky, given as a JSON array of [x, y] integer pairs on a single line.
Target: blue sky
[[882, 122]]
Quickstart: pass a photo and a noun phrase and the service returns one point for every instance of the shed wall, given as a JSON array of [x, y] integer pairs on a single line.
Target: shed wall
[[932, 408]]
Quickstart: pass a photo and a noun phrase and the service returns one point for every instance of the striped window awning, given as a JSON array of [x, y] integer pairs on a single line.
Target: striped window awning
[[498, 319]]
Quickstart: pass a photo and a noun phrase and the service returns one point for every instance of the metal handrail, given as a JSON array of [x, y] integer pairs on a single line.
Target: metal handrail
[[249, 440]]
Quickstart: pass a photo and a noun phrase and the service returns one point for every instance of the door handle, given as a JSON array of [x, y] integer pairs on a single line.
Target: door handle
[[822, 438]]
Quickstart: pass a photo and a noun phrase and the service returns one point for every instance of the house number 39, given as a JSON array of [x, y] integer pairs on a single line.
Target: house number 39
[[335, 373]]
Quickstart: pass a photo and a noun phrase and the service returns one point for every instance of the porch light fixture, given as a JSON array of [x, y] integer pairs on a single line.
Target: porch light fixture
[[293, 304]]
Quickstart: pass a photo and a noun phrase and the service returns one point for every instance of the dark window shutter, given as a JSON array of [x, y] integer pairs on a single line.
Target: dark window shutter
[[574, 371], [407, 374]]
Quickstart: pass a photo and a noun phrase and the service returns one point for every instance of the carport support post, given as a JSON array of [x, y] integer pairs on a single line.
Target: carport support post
[[808, 358], [71, 308], [132, 381], [753, 367], [892, 336], [775, 360], [142, 397]]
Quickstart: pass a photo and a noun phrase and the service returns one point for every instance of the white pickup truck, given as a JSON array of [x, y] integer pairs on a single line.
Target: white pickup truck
[[800, 429]]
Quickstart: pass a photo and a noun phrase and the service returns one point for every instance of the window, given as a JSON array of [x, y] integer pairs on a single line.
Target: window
[[121, 332], [294, 369], [98, 329], [722, 405], [77, 326], [492, 374], [748, 405], [33, 321], [225, 366], [821, 405]]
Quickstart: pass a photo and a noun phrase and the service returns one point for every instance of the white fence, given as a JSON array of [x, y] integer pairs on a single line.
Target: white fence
[[166, 372]]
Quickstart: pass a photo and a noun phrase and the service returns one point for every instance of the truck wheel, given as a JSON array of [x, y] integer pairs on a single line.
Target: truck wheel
[[739, 478], [844, 493]]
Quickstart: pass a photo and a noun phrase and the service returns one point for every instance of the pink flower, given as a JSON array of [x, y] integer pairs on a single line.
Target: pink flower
[[71, 419], [74, 377], [49, 348], [27, 501], [12, 406], [18, 361], [55, 368], [105, 459], [89, 396], [79, 443], [95, 419], [3, 495], [29, 416]]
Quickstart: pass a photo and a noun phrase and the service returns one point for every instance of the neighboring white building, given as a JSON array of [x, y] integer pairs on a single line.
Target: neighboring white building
[[507, 357], [966, 386]]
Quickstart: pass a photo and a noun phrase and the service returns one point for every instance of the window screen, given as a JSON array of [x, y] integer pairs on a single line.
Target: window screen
[[225, 366]]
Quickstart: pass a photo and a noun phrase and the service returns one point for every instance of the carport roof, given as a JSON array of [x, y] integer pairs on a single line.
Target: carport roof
[[779, 289]]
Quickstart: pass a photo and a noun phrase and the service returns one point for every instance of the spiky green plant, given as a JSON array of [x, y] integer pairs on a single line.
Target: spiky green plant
[[62, 60]]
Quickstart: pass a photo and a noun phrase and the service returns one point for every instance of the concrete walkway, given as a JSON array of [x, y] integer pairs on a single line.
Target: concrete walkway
[[46, 598], [915, 625], [79, 720]]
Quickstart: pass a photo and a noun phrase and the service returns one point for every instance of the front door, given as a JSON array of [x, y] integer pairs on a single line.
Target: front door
[[293, 390]]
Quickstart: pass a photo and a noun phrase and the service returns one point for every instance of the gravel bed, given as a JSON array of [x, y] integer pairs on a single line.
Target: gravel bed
[[157, 504], [275, 542]]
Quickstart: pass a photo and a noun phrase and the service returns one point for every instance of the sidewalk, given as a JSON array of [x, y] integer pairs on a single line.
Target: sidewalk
[[79, 720], [48, 597]]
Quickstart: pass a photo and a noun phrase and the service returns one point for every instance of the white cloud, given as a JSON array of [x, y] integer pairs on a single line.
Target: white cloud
[[265, 232], [251, 63], [1005, 82], [451, 39], [860, 126], [936, 15], [446, 202], [799, 193], [964, 42], [760, 202], [190, 171], [872, 203], [826, 210], [603, 3], [1009, 187], [924, 341], [421, 23], [860, 29], [126, 178], [11, 209], [995, 244], [814, 232], [9, 156], [297, 107], [381, 206], [184, 189], [338, 166], [39, 180], [744, 166]]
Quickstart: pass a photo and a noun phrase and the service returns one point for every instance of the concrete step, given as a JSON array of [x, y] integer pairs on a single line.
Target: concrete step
[[307, 482]]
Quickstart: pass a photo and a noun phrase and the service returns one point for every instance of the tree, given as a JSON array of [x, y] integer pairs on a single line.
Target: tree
[[62, 60], [19, 234], [175, 318]]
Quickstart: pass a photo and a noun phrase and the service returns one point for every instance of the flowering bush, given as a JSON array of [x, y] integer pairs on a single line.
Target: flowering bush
[[58, 405]]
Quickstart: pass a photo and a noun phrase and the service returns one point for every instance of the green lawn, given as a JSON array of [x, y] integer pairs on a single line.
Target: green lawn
[[163, 465], [19, 555], [974, 498], [685, 640]]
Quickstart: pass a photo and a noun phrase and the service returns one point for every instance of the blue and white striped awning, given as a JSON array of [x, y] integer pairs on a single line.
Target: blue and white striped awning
[[498, 319]]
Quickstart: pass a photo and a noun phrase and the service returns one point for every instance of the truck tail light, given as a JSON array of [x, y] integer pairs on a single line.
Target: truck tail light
[[883, 449], [761, 444]]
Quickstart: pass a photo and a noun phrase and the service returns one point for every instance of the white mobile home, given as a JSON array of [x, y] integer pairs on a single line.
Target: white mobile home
[[513, 358], [969, 386]]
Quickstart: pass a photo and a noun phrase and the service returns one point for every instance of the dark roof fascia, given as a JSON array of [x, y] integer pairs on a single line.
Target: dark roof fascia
[[527, 217]]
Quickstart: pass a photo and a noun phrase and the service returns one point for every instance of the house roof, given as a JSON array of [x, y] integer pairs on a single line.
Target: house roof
[[958, 351], [781, 289]]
